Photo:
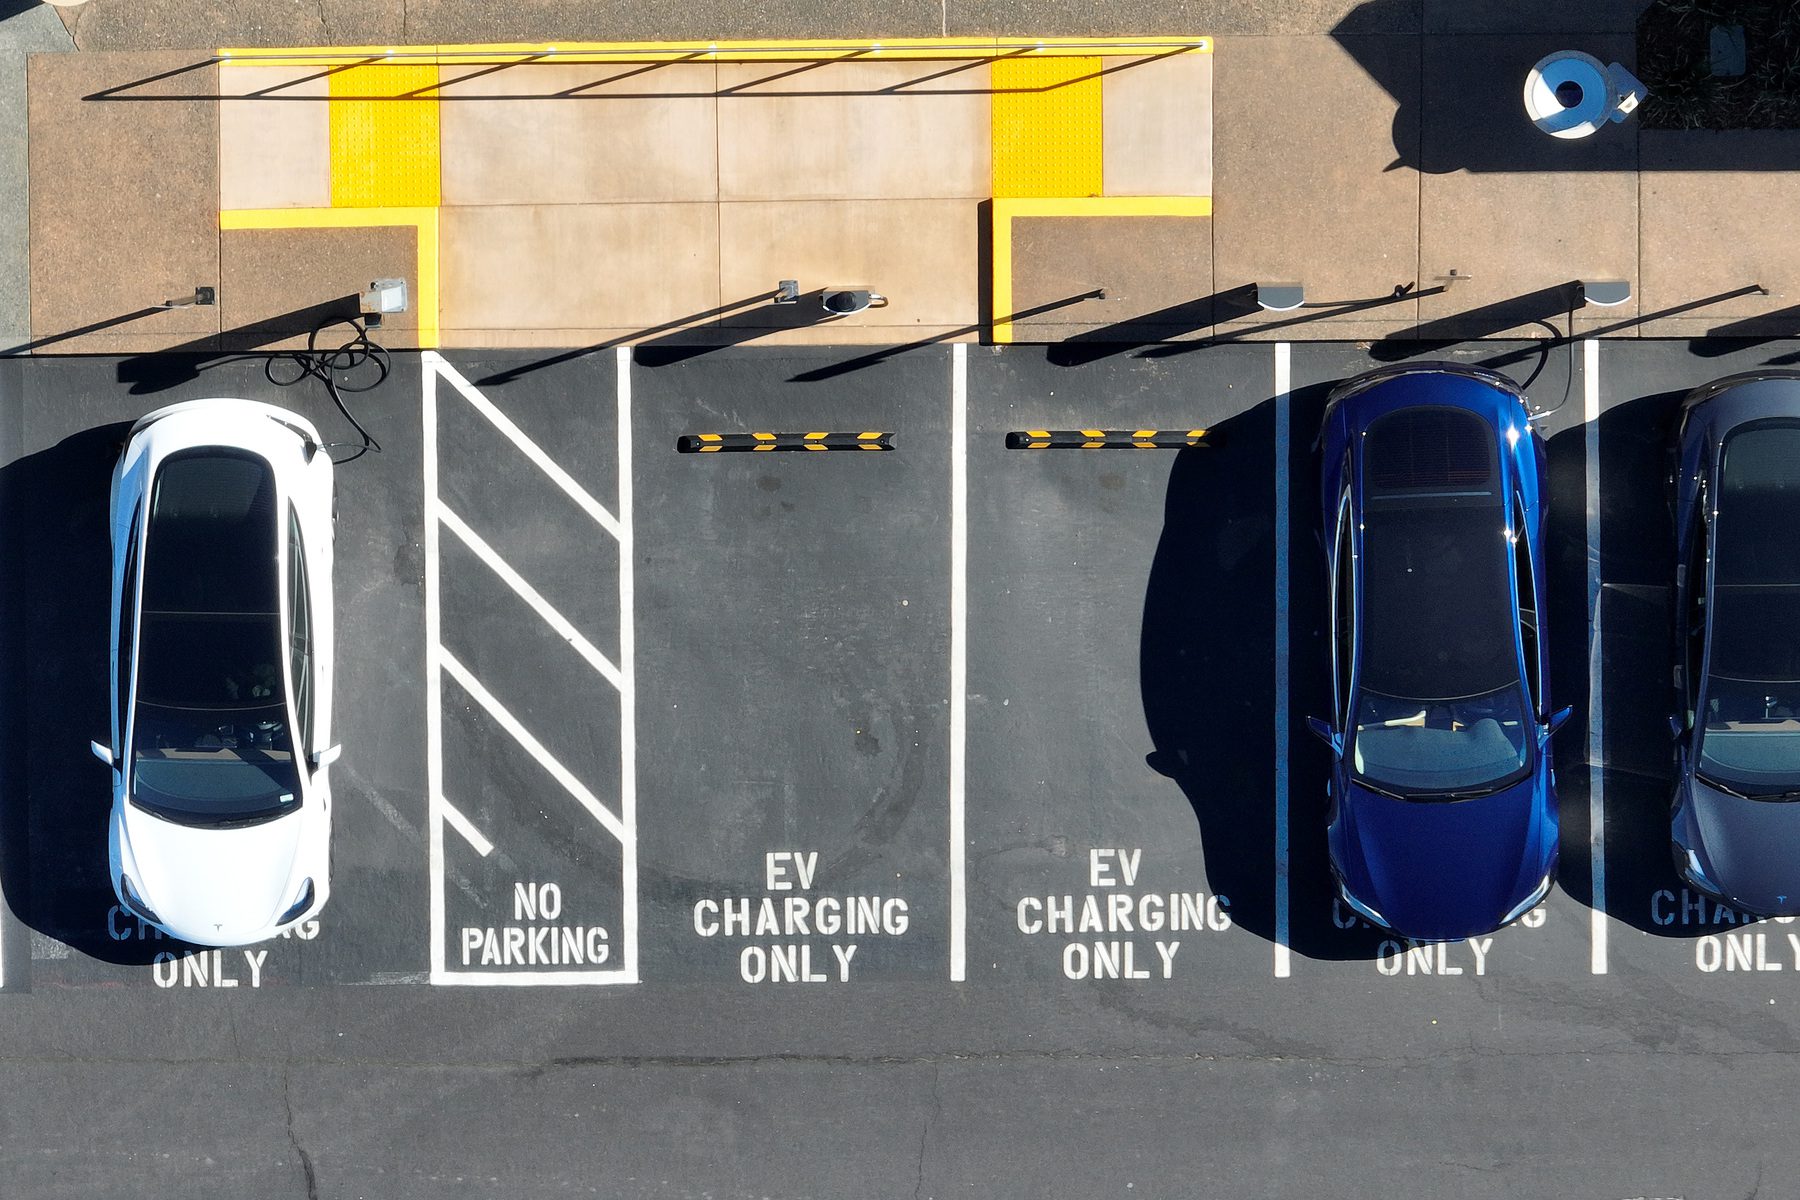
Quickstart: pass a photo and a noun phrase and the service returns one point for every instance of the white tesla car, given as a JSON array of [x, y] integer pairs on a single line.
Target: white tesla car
[[222, 664]]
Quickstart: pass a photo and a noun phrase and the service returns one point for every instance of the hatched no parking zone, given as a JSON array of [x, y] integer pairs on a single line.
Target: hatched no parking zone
[[531, 768]]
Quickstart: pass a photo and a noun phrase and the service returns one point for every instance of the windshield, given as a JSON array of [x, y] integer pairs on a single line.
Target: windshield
[[211, 744], [214, 766], [1750, 720], [1441, 749]]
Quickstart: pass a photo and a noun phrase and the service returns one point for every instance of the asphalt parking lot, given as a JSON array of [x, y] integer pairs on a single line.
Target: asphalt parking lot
[[960, 794]]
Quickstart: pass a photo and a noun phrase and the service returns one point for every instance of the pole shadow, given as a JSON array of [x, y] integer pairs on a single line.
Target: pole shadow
[[55, 613], [50, 339], [1528, 308], [1776, 326], [976, 56]]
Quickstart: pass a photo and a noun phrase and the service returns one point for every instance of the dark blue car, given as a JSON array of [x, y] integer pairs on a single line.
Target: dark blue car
[[1443, 814], [1736, 821]]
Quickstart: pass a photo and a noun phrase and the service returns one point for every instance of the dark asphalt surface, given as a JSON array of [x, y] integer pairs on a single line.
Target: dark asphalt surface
[[792, 674]]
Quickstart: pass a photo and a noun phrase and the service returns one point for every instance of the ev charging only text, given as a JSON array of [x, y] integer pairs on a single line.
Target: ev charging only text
[[1749, 949], [200, 968], [773, 926], [1110, 910]]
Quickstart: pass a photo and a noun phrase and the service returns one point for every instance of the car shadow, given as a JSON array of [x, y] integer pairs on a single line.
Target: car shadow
[[1636, 661], [55, 584], [1208, 663]]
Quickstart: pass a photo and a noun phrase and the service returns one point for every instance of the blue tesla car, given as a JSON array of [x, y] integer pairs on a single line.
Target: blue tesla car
[[1443, 814], [1735, 825]]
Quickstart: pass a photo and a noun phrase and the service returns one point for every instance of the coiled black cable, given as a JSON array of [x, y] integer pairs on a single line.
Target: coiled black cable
[[356, 365]]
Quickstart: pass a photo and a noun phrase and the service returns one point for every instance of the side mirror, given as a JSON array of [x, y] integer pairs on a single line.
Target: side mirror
[[1326, 734], [1677, 729], [102, 752], [329, 755], [1558, 719]]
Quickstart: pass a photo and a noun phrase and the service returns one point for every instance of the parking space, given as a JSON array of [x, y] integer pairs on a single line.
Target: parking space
[[794, 679], [65, 423], [1663, 927], [529, 669], [1120, 674]]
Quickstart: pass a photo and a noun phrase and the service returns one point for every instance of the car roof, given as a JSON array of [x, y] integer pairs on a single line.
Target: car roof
[[1437, 612]]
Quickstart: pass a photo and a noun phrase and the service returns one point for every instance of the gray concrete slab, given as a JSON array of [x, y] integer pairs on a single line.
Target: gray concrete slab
[[1532, 16], [1315, 146], [159, 24], [33, 29]]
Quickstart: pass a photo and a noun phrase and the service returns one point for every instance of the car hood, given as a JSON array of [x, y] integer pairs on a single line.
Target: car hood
[[218, 887], [1749, 848], [1444, 871]]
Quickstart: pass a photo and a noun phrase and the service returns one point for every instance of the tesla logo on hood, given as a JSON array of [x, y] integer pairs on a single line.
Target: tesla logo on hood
[[1781, 899], [219, 926]]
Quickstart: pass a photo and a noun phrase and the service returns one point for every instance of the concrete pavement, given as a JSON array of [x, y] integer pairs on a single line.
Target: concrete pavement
[[584, 200]]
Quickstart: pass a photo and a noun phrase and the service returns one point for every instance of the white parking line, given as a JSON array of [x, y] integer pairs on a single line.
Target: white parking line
[[1283, 381], [1590, 378], [430, 364], [465, 827], [530, 744], [627, 674], [959, 655], [515, 581], [531, 449]]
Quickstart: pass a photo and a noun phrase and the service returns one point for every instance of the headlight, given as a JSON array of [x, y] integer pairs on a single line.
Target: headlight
[[1530, 902], [135, 902], [1691, 869], [1361, 908], [299, 906]]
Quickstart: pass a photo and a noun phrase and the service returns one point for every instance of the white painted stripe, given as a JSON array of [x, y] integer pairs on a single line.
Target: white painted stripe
[[959, 656], [531, 449], [537, 978], [429, 366], [1590, 379], [1283, 379], [564, 628], [627, 675], [531, 745], [465, 827]]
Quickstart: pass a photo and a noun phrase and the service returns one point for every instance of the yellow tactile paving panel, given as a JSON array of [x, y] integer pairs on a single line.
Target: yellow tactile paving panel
[[1047, 127], [384, 136]]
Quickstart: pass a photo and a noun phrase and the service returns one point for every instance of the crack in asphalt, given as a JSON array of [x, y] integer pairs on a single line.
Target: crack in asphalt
[[306, 1162], [976, 1058], [937, 1110]]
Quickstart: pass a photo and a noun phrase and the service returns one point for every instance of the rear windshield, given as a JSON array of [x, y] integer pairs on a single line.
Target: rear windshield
[[211, 741]]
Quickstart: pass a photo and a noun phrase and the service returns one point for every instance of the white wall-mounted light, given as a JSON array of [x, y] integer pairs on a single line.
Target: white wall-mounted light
[[1279, 297], [1602, 292]]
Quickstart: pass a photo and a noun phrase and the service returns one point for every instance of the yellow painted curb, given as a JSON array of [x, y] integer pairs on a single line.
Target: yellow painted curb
[[788, 50], [424, 220], [1004, 212]]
